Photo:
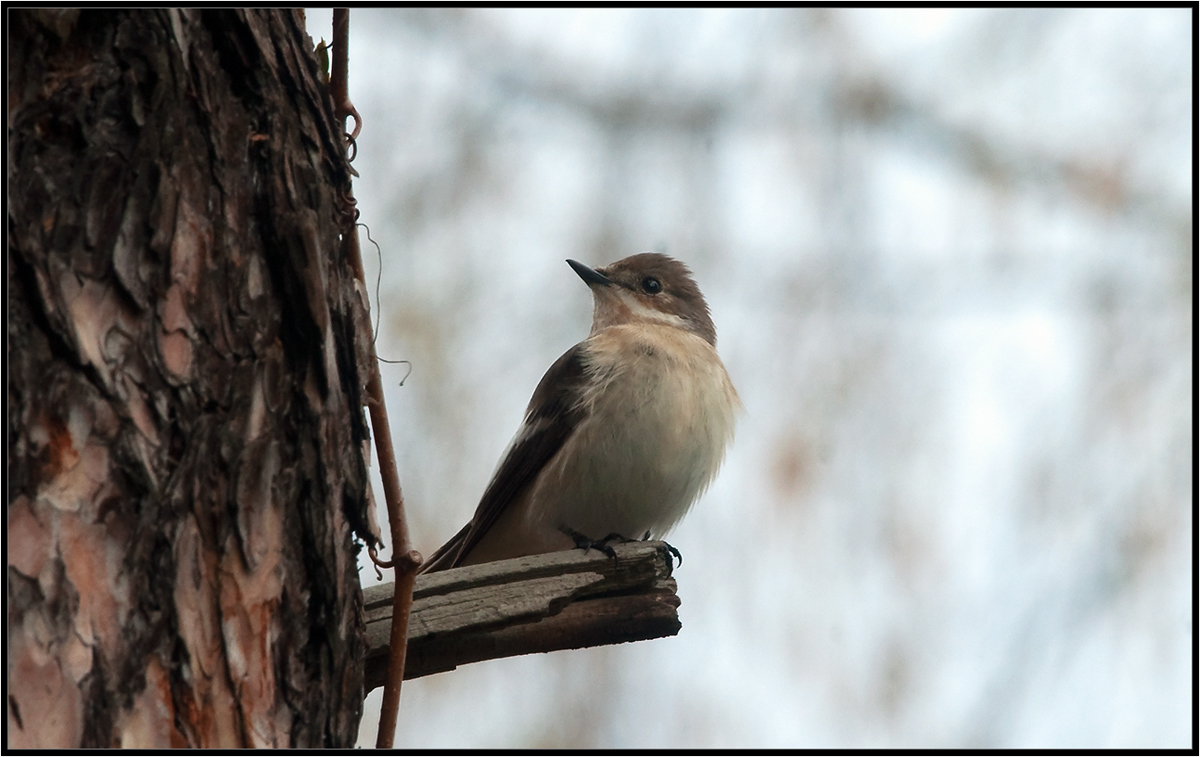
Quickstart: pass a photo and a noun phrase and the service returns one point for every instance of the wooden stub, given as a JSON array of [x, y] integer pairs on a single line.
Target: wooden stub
[[541, 603]]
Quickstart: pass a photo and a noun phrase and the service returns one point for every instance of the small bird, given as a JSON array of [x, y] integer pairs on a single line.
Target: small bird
[[624, 431]]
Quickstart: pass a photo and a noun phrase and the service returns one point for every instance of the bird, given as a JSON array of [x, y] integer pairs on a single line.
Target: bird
[[624, 431]]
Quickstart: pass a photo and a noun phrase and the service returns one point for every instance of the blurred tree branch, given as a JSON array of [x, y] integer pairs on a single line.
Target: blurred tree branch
[[869, 96]]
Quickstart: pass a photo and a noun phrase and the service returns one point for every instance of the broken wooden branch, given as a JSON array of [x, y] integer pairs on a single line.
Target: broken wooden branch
[[541, 603]]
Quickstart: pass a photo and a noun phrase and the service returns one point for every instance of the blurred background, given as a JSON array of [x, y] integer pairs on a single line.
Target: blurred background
[[949, 257]]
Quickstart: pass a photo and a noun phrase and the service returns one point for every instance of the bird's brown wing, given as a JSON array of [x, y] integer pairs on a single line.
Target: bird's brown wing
[[552, 416]]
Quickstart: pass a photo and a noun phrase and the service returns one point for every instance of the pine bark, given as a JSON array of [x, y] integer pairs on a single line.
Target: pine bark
[[186, 442]]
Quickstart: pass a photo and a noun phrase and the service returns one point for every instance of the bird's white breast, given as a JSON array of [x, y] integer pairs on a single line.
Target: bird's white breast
[[659, 414]]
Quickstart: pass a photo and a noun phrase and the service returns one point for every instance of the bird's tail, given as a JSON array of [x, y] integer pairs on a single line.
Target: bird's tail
[[447, 555]]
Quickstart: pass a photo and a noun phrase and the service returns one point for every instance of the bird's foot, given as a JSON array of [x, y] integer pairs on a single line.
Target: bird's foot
[[672, 550], [586, 542]]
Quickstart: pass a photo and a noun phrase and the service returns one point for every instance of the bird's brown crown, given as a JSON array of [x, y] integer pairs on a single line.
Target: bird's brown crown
[[663, 284]]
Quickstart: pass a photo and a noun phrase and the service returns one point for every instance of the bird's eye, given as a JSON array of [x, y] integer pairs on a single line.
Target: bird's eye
[[651, 285]]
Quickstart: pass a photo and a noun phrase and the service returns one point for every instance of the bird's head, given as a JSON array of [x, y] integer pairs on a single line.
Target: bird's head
[[647, 288]]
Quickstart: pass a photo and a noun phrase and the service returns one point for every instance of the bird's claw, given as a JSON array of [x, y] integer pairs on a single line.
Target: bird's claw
[[676, 554], [586, 542]]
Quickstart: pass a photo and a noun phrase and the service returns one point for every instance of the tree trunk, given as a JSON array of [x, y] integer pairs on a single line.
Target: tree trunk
[[186, 441]]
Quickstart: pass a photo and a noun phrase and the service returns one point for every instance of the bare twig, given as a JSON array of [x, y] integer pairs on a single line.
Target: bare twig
[[405, 559], [339, 88]]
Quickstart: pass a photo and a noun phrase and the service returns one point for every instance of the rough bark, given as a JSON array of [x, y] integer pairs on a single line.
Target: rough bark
[[186, 443]]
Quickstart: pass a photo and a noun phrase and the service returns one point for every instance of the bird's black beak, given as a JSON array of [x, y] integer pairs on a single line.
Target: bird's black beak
[[590, 276]]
